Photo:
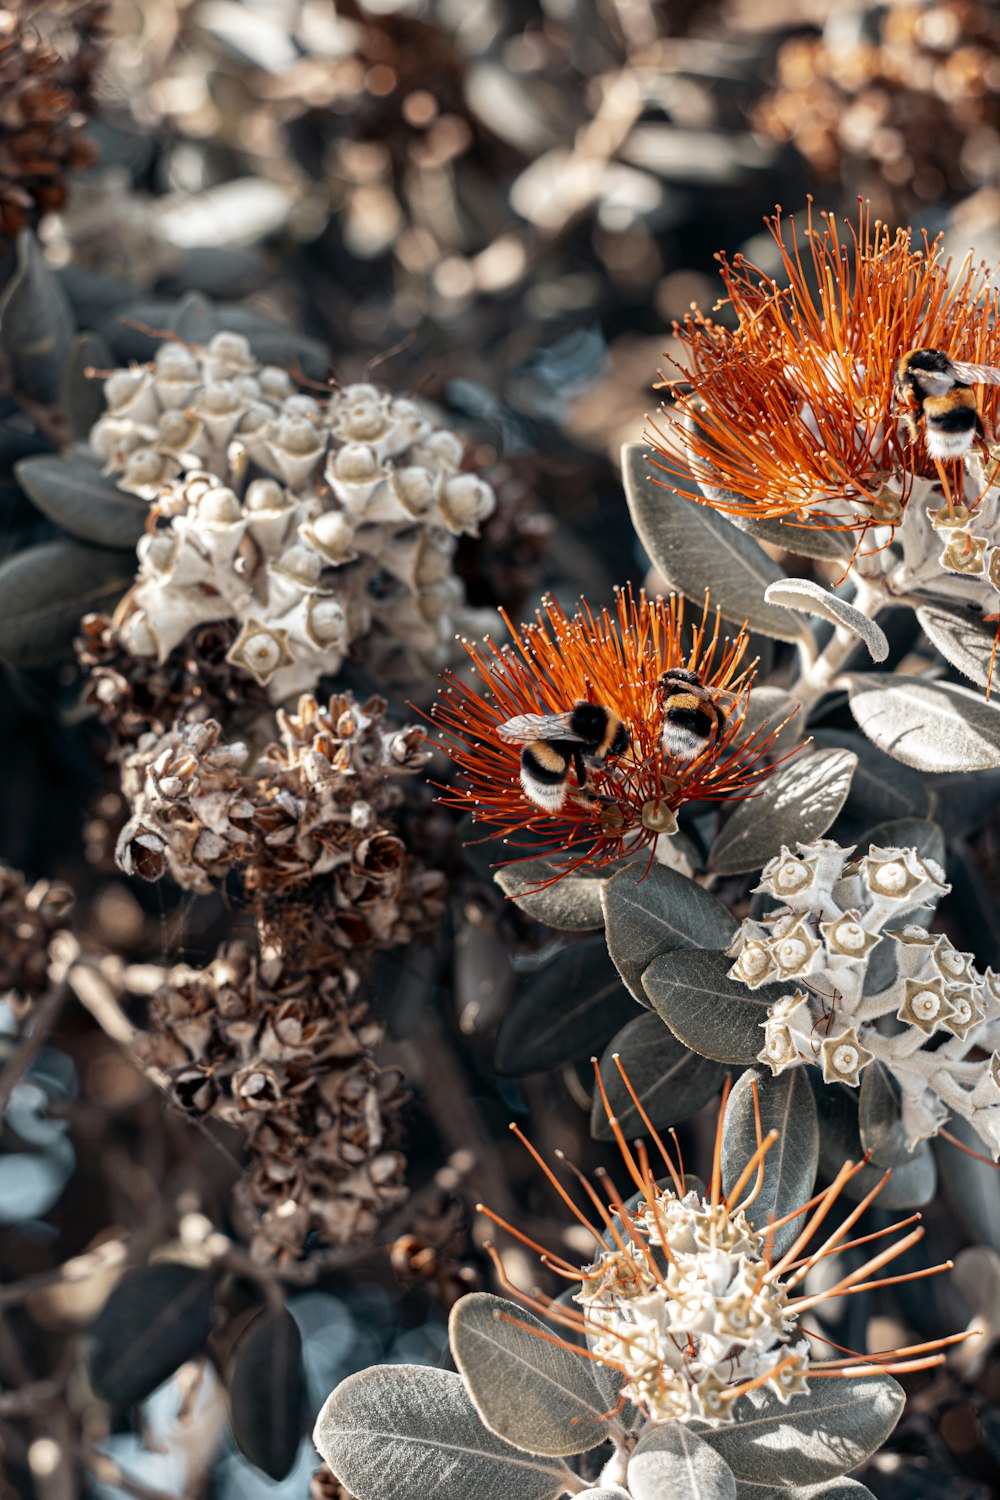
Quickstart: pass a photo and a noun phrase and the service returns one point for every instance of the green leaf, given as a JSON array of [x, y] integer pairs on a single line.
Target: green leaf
[[81, 396], [911, 1185], [880, 1121], [814, 1437], [671, 1081], [931, 726], [787, 1105], [528, 1391], [672, 1463], [79, 498], [810, 598], [644, 918], [961, 637], [407, 1432], [266, 1390], [970, 1186], [694, 547], [807, 539], [572, 904], [154, 1320], [835, 1489], [881, 788], [800, 801], [705, 1009], [36, 326], [44, 590], [565, 1013]]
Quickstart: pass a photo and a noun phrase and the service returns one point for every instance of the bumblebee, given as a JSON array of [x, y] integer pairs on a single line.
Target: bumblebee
[[552, 743], [933, 392], [693, 714]]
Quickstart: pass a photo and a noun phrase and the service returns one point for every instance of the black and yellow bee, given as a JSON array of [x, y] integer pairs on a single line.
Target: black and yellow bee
[[552, 743], [933, 393], [694, 714]]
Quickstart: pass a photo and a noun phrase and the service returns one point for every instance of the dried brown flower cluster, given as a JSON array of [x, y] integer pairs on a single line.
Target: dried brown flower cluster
[[281, 1045], [44, 97], [312, 815], [134, 696], [915, 111], [284, 1058], [29, 915]]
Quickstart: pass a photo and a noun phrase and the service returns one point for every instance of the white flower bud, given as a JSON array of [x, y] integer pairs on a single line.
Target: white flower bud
[[266, 494], [327, 621], [219, 507]]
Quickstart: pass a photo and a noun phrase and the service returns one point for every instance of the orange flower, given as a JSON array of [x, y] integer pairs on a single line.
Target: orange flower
[[686, 1297], [615, 659], [788, 413]]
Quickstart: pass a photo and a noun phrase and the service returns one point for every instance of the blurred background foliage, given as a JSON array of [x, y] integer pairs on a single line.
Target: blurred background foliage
[[500, 206]]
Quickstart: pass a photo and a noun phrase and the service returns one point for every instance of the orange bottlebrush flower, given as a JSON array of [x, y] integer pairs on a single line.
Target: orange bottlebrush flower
[[789, 413], [616, 659], [687, 1299]]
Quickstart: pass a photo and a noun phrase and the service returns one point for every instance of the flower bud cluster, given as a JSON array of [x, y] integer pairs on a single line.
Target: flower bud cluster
[[315, 811], [704, 1324], [860, 990], [308, 523], [287, 1060]]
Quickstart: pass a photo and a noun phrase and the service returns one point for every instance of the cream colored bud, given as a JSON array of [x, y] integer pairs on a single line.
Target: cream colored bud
[[327, 621], [219, 507], [356, 461], [266, 494]]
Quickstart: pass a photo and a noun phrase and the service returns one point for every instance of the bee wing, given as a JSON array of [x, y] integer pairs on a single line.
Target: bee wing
[[976, 374], [726, 699], [528, 727]]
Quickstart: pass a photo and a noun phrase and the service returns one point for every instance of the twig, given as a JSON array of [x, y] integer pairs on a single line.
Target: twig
[[42, 1020]]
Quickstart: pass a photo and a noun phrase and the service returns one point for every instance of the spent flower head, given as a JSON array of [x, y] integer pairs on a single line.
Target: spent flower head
[[614, 658], [686, 1297], [926, 1012]]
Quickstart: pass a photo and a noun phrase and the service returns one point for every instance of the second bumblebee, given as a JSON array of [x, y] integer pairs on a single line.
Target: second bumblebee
[[693, 714]]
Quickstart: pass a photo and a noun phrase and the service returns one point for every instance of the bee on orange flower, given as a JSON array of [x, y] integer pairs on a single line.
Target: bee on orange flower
[[933, 393], [554, 742]]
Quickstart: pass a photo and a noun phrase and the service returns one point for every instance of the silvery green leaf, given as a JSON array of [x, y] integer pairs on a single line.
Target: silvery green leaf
[[880, 1120], [572, 903], [912, 1183], [961, 637], [644, 917], [81, 396], [806, 538], [767, 705], [79, 498], [813, 1438], [970, 1186], [787, 1105], [671, 1081], [36, 326], [566, 1011], [800, 801], [408, 1432], [881, 787], [527, 1390], [931, 726], [694, 548], [672, 1463], [810, 598], [45, 589], [705, 1009], [834, 1489]]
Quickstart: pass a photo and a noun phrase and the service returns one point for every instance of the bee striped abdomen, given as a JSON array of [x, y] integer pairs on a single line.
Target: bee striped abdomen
[[950, 422], [688, 725], [544, 767]]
